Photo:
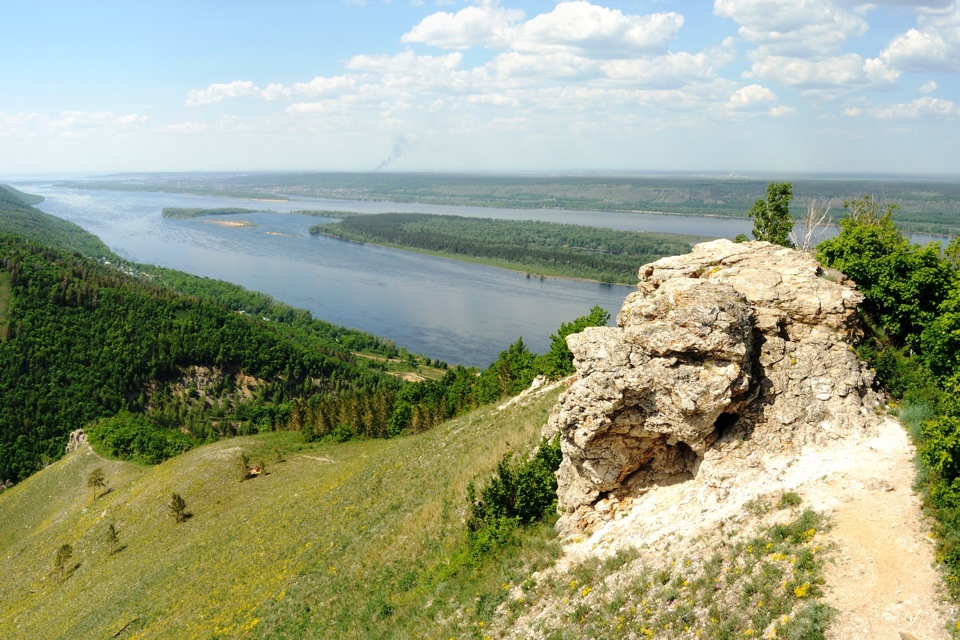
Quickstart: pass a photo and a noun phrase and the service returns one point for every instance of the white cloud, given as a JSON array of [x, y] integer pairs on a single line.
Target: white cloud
[[321, 87], [751, 97], [928, 87], [792, 27], [933, 46], [15, 123], [596, 31], [276, 91], [853, 112], [132, 119], [920, 109], [831, 75], [78, 121], [218, 92], [486, 24], [781, 111]]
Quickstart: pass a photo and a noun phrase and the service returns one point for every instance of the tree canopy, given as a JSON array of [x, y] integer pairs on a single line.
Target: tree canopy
[[771, 216]]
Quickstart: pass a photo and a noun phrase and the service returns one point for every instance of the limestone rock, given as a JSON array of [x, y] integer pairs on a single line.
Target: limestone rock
[[77, 439], [745, 344]]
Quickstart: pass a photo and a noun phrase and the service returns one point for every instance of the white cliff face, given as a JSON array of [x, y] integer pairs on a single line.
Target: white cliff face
[[744, 344]]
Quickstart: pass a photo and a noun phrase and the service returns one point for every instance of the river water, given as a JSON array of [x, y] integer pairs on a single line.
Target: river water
[[458, 312]]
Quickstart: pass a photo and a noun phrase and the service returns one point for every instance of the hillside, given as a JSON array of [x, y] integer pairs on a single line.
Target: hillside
[[348, 540], [86, 338]]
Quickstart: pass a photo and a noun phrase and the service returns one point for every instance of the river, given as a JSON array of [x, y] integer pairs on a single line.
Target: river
[[458, 312]]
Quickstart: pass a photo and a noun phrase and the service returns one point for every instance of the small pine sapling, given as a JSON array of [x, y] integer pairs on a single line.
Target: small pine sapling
[[113, 539], [64, 553], [178, 508]]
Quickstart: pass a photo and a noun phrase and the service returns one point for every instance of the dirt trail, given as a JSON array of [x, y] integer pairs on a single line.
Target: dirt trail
[[882, 578]]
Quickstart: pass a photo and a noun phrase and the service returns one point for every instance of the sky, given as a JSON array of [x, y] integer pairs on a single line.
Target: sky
[[728, 86]]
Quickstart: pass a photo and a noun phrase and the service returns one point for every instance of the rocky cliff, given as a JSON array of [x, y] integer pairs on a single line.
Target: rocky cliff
[[740, 347]]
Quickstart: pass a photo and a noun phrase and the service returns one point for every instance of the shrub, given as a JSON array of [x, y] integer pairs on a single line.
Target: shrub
[[520, 494], [132, 437]]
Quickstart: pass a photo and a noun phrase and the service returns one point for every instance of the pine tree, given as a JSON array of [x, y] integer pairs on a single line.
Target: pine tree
[[96, 480], [113, 539], [64, 553], [178, 508]]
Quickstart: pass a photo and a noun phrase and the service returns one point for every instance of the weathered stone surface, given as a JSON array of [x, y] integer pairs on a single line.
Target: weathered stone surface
[[742, 343], [77, 439]]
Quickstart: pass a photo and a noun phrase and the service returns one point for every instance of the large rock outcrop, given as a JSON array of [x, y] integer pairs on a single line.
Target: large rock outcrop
[[746, 343]]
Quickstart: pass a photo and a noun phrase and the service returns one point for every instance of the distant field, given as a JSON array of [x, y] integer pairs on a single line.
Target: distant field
[[927, 206]]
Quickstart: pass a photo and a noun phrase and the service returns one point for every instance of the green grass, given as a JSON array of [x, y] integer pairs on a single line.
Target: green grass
[[751, 581], [361, 539]]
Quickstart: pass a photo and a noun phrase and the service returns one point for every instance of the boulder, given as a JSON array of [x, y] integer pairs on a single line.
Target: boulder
[[731, 342]]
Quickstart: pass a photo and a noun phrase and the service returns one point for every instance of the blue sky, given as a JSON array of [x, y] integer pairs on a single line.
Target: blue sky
[[739, 86]]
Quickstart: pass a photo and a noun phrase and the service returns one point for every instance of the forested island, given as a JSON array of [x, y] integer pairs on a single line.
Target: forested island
[[181, 213], [544, 248]]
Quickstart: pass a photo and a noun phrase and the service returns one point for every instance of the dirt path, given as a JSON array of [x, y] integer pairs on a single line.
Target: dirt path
[[882, 578]]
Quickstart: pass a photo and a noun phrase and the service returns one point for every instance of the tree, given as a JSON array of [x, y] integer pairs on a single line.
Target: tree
[[96, 480], [815, 222], [771, 217], [64, 553], [178, 508], [903, 284], [113, 539], [558, 362]]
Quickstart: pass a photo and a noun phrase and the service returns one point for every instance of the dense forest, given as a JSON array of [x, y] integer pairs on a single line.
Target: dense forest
[[927, 205], [153, 361], [570, 250]]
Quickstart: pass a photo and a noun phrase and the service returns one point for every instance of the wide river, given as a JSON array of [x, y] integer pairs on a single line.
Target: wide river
[[459, 312]]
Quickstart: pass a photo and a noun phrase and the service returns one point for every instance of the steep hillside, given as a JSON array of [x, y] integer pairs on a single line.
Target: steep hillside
[[19, 219], [85, 338], [355, 540]]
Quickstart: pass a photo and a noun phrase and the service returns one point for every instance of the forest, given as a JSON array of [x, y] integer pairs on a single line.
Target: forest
[[152, 361], [546, 248]]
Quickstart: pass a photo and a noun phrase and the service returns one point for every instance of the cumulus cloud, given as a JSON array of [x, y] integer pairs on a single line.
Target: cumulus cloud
[[485, 25], [573, 27], [933, 46], [837, 74], [596, 31], [321, 87], [792, 27], [928, 87], [921, 108], [220, 91], [751, 97]]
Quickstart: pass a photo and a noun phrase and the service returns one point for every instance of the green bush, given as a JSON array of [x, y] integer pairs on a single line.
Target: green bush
[[520, 494], [132, 437]]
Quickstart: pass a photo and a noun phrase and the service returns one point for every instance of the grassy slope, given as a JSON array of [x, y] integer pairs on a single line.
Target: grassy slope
[[300, 552]]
